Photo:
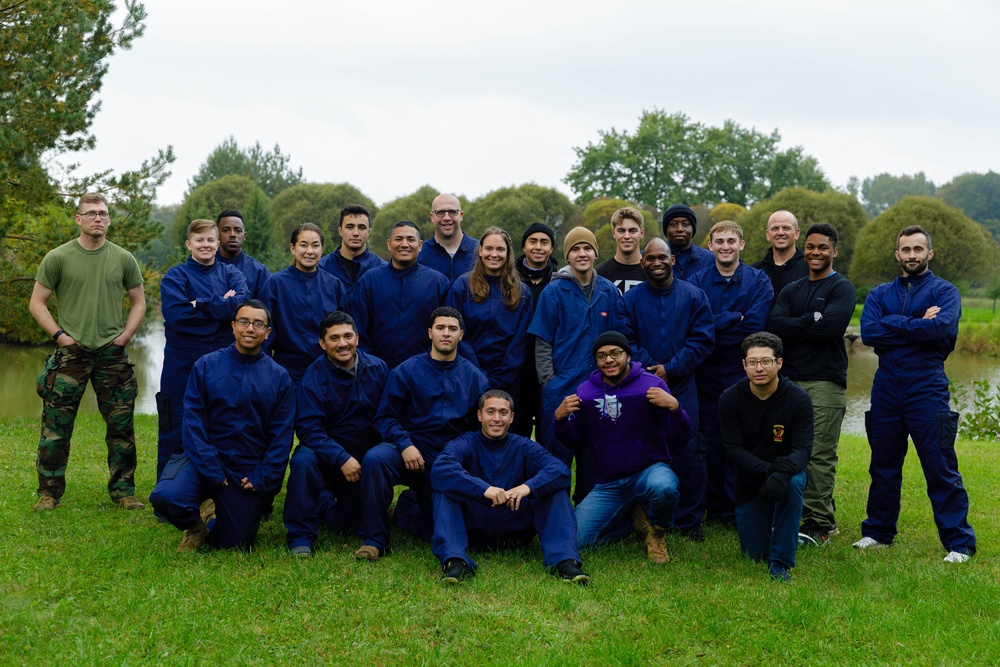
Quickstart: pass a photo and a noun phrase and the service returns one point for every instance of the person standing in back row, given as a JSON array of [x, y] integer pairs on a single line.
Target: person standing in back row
[[912, 322], [624, 269], [784, 262], [811, 315], [449, 251]]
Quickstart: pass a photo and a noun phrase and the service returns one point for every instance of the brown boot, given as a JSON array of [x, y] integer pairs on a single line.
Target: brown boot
[[193, 537], [45, 503], [656, 546], [129, 503], [640, 521]]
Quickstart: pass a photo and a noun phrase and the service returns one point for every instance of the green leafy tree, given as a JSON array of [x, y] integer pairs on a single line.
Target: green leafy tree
[[415, 207], [209, 200], [671, 159], [271, 171], [963, 249], [517, 208], [840, 209], [726, 211], [53, 62], [262, 242], [319, 203], [882, 191], [978, 195]]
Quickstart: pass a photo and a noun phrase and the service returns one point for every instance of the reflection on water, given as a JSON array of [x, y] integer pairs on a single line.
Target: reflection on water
[[19, 367]]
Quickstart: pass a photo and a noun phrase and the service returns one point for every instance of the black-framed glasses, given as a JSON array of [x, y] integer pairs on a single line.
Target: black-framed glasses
[[763, 363], [92, 215], [259, 325], [440, 213], [614, 354]]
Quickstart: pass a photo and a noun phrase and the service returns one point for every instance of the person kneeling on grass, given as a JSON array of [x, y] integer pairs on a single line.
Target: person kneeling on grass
[[630, 422], [239, 417], [493, 488], [766, 423]]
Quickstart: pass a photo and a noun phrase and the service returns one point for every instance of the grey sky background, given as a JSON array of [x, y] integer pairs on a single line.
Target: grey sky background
[[469, 97]]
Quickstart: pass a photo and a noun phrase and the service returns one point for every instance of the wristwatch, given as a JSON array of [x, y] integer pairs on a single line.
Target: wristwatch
[[56, 335]]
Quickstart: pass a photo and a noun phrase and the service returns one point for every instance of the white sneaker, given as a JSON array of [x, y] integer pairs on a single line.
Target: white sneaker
[[956, 557], [869, 543]]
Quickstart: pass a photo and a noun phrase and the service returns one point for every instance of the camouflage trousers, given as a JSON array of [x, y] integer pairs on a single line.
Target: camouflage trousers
[[61, 385]]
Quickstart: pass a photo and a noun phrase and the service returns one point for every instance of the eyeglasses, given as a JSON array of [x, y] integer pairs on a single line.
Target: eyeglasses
[[91, 215], [763, 363], [244, 322], [440, 213], [614, 354]]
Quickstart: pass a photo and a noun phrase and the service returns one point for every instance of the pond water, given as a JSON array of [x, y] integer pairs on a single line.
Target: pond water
[[19, 367]]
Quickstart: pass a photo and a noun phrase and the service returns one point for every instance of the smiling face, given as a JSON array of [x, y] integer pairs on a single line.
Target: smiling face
[[250, 336], [537, 250], [612, 369], [627, 234], [307, 250], [232, 234], [819, 252], [658, 263], [496, 418], [445, 334], [494, 252], [202, 245], [404, 246], [679, 232], [726, 246], [447, 215], [354, 230], [913, 254], [782, 231], [581, 259], [340, 342]]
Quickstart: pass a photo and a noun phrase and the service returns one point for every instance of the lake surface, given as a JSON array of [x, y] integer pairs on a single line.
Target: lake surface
[[19, 368]]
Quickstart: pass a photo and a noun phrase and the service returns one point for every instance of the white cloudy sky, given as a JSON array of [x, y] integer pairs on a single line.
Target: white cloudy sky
[[471, 96]]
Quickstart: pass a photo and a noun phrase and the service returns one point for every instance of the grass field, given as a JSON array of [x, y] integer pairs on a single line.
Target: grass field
[[89, 584]]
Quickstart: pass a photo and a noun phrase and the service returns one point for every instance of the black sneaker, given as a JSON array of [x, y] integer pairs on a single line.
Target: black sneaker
[[694, 533], [814, 533], [455, 571], [570, 573]]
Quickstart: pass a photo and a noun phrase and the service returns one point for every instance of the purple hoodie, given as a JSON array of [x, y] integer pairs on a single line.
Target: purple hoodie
[[625, 431]]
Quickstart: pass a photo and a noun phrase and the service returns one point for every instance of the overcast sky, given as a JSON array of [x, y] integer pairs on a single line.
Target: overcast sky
[[469, 97]]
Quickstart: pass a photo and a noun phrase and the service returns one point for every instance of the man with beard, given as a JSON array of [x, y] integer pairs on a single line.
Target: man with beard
[[232, 235], [429, 400], [912, 322], [630, 423], [352, 258], [536, 267], [334, 419], [672, 326], [784, 262], [494, 488]]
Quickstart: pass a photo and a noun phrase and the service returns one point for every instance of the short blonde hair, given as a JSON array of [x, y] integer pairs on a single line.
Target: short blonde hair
[[725, 226], [201, 225], [628, 213]]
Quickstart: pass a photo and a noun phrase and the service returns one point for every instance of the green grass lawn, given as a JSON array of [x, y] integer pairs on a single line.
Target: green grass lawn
[[90, 584]]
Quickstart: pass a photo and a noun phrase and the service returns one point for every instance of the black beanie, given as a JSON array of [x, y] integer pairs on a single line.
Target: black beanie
[[680, 211], [534, 229], [611, 338]]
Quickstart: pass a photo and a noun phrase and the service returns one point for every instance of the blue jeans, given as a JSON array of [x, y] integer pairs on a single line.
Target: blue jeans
[[605, 515], [770, 530]]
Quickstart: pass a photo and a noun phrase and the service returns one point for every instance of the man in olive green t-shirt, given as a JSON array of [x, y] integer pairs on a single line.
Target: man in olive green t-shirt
[[88, 275]]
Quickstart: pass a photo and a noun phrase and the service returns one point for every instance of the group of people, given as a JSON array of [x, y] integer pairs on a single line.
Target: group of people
[[682, 384]]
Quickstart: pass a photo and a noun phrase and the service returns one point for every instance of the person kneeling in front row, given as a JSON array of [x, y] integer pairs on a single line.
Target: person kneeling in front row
[[239, 416]]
